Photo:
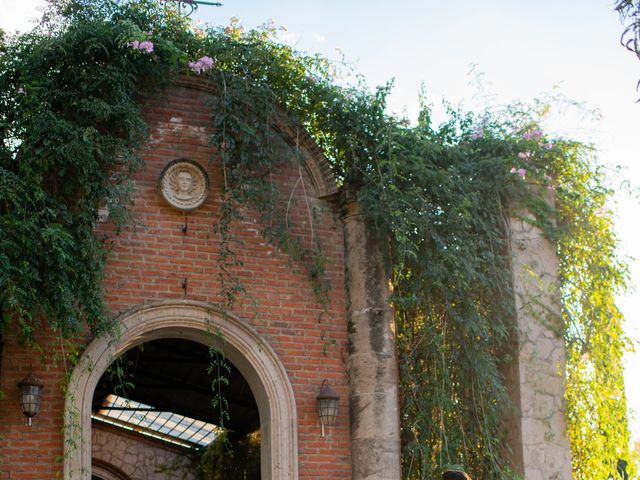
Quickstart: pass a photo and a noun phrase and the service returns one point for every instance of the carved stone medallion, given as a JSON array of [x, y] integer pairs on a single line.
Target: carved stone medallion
[[184, 184]]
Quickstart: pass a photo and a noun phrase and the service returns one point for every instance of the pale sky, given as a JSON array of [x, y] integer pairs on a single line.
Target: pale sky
[[523, 48]]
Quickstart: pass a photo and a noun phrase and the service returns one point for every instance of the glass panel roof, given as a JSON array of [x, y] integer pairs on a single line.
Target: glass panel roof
[[167, 426]]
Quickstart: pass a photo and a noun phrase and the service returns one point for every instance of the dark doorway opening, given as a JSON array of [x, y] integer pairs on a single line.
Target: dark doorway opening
[[181, 393]]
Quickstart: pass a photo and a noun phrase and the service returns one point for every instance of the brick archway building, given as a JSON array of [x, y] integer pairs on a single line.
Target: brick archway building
[[165, 268]]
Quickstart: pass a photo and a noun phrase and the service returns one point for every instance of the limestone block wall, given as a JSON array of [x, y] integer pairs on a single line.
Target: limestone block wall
[[140, 458], [538, 439]]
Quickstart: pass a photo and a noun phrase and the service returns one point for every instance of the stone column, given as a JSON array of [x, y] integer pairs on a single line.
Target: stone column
[[373, 366], [535, 378]]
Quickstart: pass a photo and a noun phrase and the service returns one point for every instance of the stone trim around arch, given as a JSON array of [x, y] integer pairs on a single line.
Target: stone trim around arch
[[106, 471], [199, 322]]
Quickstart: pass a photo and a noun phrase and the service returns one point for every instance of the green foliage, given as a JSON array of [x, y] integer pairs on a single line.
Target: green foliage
[[629, 11], [219, 370], [437, 196], [231, 456], [453, 300], [69, 125], [592, 274]]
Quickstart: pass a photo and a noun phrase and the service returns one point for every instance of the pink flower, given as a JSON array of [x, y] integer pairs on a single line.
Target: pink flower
[[207, 62], [520, 171], [201, 65], [548, 145], [524, 155], [21, 91], [479, 133], [533, 134], [146, 45]]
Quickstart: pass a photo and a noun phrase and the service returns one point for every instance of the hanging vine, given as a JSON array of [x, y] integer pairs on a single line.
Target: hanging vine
[[70, 127]]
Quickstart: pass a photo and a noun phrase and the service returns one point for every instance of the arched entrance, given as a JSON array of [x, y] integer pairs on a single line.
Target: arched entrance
[[202, 323]]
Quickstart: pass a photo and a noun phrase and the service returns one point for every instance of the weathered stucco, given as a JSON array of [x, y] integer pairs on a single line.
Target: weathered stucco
[[373, 368]]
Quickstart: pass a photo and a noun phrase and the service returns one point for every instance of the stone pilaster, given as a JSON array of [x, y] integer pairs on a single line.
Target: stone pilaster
[[373, 366], [535, 378]]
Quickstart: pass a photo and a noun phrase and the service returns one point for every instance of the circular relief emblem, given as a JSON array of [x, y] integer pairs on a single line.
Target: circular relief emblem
[[184, 184]]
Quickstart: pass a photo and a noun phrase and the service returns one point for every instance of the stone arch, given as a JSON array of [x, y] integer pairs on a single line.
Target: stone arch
[[202, 323], [107, 471]]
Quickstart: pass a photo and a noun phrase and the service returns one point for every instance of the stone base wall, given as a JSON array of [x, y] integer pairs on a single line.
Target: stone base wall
[[138, 457]]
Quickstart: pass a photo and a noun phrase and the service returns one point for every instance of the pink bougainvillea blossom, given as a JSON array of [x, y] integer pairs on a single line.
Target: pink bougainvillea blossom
[[548, 145], [533, 134], [201, 65], [520, 171], [478, 133], [145, 45], [524, 155]]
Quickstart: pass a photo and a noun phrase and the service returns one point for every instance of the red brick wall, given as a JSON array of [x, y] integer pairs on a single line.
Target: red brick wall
[[148, 264], [31, 452]]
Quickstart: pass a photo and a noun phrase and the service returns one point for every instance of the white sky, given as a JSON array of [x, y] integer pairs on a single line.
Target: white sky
[[524, 49]]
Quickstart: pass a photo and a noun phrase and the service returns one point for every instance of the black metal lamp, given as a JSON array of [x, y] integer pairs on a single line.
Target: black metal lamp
[[30, 395], [327, 404]]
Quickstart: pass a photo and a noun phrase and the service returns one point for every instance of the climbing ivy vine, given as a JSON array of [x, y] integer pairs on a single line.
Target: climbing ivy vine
[[438, 197]]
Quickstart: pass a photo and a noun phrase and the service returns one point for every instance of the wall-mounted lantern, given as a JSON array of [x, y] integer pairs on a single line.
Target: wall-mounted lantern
[[30, 395], [327, 405]]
